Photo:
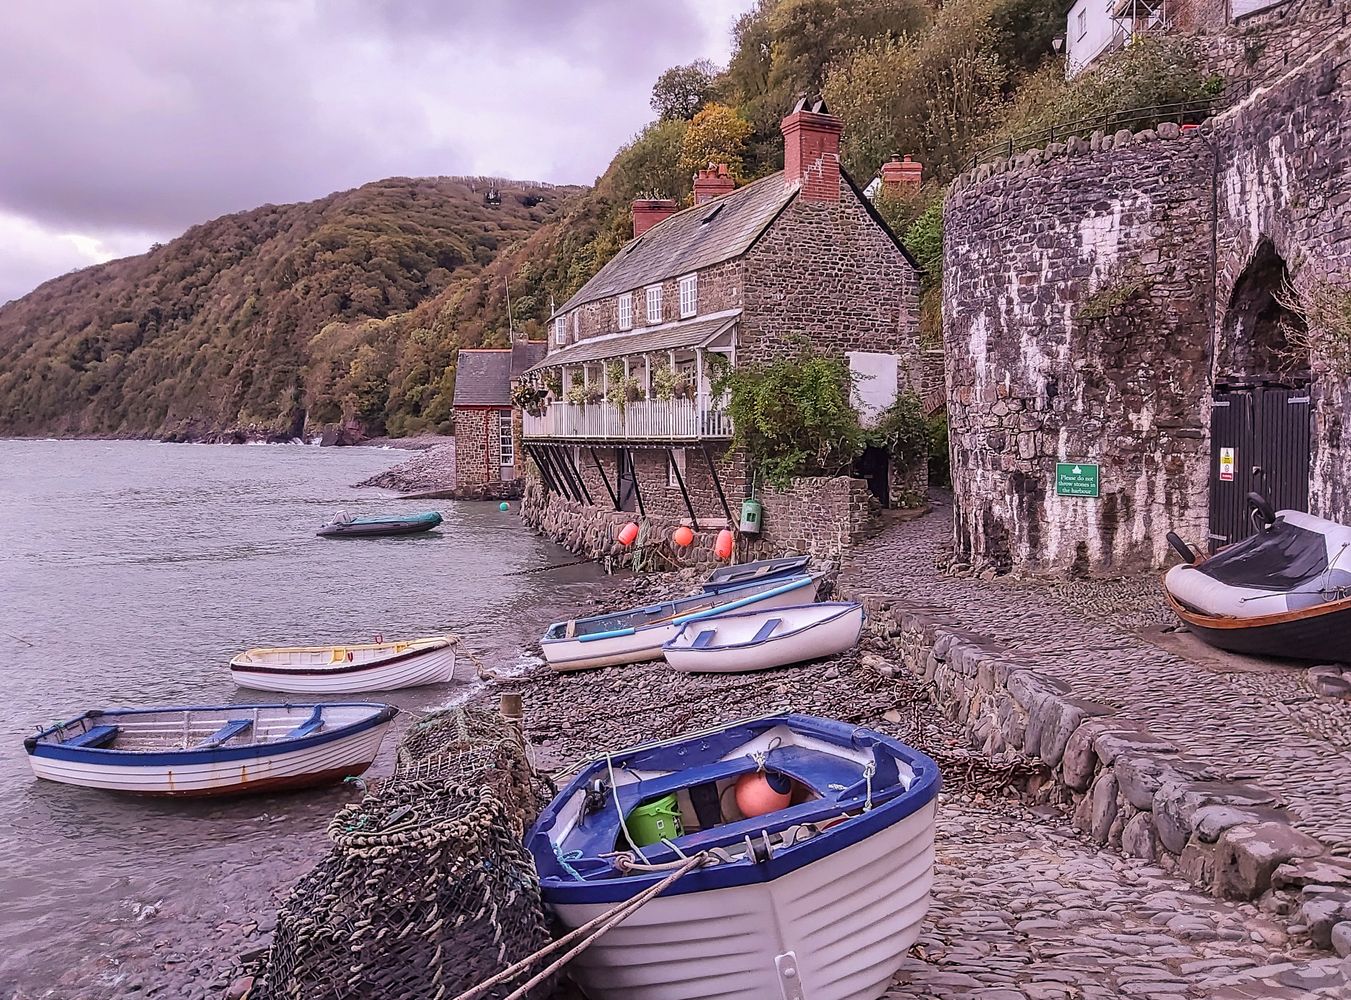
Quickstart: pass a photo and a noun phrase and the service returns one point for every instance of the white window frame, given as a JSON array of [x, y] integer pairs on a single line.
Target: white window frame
[[689, 296], [506, 439], [626, 311], [653, 293], [677, 461], [1083, 24], [560, 330]]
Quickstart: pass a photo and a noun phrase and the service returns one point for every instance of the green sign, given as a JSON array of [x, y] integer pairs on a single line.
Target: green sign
[[1076, 479]]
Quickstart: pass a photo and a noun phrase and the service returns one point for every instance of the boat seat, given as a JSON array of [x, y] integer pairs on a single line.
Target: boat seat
[[226, 732], [98, 736], [766, 629], [310, 726], [702, 640]]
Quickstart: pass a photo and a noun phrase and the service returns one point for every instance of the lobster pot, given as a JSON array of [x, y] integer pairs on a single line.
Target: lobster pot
[[426, 892]]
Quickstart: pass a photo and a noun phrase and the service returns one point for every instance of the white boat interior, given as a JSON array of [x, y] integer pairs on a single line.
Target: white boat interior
[[336, 657]]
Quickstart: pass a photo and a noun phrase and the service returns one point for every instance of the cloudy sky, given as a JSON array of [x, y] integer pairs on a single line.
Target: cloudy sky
[[123, 122]]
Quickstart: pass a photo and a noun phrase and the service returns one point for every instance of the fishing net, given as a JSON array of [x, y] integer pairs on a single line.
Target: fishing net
[[427, 890]]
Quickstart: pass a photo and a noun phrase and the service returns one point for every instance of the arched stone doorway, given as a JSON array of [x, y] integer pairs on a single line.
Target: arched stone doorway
[[1262, 339], [1260, 415]]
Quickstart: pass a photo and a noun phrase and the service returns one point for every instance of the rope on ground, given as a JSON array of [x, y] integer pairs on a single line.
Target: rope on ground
[[484, 673], [588, 933], [545, 569]]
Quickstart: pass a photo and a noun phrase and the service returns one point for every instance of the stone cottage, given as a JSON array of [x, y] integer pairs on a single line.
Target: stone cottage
[[632, 422], [488, 461]]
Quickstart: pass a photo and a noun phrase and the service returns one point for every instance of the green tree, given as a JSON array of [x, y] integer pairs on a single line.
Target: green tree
[[717, 134], [682, 90], [650, 164]]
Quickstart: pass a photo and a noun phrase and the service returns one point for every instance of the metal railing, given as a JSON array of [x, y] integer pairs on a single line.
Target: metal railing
[[1135, 119], [641, 420]]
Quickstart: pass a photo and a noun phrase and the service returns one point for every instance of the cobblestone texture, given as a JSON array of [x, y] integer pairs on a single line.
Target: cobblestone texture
[[1251, 720]]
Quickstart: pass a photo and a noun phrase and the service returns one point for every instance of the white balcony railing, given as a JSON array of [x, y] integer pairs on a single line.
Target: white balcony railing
[[643, 420]]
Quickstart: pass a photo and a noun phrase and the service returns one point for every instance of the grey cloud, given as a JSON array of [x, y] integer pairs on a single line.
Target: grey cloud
[[158, 114]]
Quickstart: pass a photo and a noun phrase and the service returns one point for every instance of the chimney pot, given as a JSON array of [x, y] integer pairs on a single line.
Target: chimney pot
[[902, 175], [811, 150], [712, 182], [647, 212]]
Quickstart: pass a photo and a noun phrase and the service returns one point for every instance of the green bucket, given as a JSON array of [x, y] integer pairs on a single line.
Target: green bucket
[[654, 821]]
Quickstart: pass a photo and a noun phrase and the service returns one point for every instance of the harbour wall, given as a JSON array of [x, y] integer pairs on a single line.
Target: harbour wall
[[1127, 789], [816, 516]]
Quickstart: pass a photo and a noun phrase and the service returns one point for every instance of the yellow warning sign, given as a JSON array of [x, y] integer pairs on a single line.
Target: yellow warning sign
[[1226, 465]]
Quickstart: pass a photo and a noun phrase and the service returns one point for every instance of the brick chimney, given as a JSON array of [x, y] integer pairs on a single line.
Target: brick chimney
[[647, 212], [901, 176], [811, 150], [713, 182]]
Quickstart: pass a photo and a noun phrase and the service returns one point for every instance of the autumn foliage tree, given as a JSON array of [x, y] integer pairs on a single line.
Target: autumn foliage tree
[[681, 91], [717, 134]]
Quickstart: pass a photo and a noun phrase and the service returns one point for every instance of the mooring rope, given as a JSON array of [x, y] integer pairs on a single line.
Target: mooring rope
[[587, 934]]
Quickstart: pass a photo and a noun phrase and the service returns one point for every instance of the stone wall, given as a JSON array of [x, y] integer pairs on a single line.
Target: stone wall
[[1271, 42], [478, 476], [819, 516], [1075, 311], [1095, 293], [1284, 184], [1126, 788]]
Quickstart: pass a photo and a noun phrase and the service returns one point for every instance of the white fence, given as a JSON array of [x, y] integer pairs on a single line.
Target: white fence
[[642, 420]]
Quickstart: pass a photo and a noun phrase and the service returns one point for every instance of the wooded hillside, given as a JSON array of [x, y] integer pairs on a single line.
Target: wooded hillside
[[353, 307]]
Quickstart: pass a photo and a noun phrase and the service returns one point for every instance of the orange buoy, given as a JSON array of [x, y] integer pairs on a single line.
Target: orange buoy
[[723, 547], [759, 793], [628, 533], [683, 536]]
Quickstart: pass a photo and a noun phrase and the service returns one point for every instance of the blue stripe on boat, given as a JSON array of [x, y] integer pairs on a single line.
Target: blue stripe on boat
[[134, 758]]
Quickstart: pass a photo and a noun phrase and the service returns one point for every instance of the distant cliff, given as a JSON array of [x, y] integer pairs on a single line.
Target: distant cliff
[[268, 323]]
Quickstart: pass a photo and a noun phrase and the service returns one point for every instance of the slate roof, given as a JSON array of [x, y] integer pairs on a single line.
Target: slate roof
[[691, 333], [483, 378], [525, 354], [685, 242]]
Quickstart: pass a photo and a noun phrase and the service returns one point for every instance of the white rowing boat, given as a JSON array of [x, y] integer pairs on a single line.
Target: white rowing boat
[[817, 897], [637, 634], [380, 666], [211, 750], [760, 639]]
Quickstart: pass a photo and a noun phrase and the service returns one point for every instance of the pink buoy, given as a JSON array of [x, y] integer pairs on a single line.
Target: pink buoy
[[725, 543], [758, 793], [628, 533], [683, 536]]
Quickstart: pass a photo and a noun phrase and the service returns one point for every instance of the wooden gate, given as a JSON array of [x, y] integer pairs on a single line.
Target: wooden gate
[[1259, 443]]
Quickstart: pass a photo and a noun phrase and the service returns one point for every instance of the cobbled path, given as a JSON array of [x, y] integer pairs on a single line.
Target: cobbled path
[[1252, 720], [1025, 909]]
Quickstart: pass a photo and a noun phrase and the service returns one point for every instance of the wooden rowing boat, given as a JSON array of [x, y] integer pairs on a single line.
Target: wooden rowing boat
[[380, 666], [761, 639]]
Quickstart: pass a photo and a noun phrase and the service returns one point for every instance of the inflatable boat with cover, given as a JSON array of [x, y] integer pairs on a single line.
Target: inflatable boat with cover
[[1285, 591]]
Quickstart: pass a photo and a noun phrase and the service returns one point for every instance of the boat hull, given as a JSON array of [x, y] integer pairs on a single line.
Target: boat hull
[[727, 577], [828, 637], [380, 528], [847, 919], [1321, 633], [432, 667], [645, 643]]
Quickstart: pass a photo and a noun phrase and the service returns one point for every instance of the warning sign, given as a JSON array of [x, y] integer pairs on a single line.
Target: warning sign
[[1226, 465]]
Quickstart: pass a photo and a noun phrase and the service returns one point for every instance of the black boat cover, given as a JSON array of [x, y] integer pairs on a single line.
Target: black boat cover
[[1282, 558]]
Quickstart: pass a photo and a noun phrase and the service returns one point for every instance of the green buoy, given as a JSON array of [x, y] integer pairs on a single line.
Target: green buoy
[[504, 506]]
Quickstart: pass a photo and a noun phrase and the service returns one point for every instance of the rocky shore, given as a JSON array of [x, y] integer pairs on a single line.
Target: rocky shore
[[431, 469]]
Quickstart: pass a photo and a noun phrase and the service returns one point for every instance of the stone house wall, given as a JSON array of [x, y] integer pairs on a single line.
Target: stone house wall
[[478, 476], [1271, 42], [1075, 309], [719, 289], [660, 497]]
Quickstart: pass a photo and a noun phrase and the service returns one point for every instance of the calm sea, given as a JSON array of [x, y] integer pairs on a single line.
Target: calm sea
[[130, 572]]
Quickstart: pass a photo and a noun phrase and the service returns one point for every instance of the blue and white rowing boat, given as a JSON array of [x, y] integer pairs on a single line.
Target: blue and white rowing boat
[[218, 750], [760, 639], [637, 634], [817, 846], [755, 572]]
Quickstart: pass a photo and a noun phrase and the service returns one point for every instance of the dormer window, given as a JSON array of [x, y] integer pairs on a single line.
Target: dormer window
[[626, 311], [689, 295], [654, 304]]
